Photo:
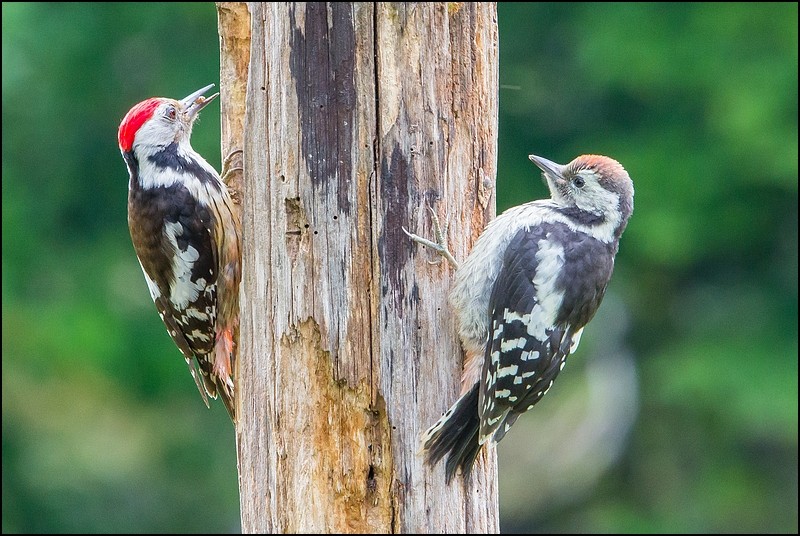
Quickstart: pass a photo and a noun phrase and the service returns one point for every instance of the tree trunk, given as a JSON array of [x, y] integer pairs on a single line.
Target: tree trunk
[[358, 116]]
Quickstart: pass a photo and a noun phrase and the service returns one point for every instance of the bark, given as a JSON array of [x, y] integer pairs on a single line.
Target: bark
[[358, 116], [234, 46]]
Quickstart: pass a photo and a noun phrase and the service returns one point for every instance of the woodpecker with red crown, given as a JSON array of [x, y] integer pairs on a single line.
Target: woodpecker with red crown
[[186, 232], [533, 280]]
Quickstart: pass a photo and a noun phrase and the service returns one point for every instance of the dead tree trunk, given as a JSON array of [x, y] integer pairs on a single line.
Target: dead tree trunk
[[357, 116]]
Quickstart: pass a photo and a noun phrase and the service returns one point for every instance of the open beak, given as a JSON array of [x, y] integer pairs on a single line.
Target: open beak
[[196, 102]]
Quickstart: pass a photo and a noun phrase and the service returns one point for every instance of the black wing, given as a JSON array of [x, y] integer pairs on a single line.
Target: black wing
[[550, 284], [172, 235]]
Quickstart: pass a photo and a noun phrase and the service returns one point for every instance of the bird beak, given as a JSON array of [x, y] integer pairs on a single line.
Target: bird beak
[[196, 102], [551, 169]]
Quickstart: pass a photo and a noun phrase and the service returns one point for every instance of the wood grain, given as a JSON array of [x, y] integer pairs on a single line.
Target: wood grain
[[358, 116]]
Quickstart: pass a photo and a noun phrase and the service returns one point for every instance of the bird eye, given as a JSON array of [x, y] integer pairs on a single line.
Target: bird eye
[[170, 112], [578, 182]]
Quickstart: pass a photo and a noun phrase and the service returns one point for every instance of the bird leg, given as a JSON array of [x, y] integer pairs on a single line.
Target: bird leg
[[440, 234]]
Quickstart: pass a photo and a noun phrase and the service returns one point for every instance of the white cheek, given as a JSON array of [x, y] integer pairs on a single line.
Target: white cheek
[[155, 133], [594, 198]]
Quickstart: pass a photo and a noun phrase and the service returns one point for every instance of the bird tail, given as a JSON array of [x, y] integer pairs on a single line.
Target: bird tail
[[455, 433], [225, 390], [211, 384]]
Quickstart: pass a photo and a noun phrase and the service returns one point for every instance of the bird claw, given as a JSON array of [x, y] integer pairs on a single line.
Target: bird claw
[[440, 234], [227, 170]]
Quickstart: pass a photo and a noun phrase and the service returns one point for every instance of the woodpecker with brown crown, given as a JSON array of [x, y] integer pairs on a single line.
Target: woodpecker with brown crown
[[533, 280], [185, 230]]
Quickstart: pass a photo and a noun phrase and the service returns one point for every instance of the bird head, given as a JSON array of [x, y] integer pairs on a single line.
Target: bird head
[[158, 121], [592, 183]]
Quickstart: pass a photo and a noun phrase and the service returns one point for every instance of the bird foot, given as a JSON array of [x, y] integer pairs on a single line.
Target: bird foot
[[440, 235], [227, 165]]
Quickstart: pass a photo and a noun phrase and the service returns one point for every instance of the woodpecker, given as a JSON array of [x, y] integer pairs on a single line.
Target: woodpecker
[[186, 233], [533, 280]]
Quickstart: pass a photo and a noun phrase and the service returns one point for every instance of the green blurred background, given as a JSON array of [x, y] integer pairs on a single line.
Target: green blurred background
[[678, 413]]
